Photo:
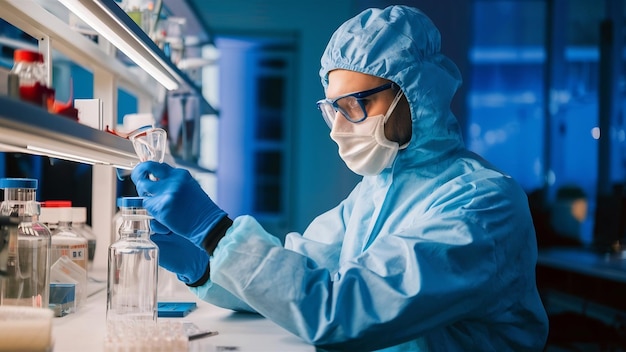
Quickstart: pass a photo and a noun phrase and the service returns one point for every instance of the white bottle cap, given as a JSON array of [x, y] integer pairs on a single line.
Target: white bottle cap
[[79, 215], [49, 215]]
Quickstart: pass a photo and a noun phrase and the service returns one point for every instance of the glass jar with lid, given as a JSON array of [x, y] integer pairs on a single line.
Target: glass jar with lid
[[30, 283], [132, 268], [31, 72]]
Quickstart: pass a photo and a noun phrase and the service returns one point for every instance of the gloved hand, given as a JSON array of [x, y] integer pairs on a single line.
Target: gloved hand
[[176, 201], [180, 256]]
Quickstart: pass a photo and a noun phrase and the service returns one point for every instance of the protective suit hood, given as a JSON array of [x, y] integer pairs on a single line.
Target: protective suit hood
[[402, 44]]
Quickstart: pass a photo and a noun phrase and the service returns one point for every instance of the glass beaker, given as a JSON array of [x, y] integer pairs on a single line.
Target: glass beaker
[[149, 143]]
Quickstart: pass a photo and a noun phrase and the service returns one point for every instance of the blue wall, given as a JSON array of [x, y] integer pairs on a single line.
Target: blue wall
[[320, 180]]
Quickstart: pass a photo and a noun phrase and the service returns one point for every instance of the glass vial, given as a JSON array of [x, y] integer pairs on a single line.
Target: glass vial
[[30, 283], [132, 269]]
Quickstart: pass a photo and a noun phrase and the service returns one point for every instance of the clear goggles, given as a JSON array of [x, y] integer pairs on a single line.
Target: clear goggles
[[351, 105]]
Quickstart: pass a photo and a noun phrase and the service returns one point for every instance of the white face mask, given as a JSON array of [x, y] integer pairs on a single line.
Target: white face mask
[[363, 145]]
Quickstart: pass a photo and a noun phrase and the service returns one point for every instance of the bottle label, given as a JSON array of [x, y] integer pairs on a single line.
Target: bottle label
[[77, 253]]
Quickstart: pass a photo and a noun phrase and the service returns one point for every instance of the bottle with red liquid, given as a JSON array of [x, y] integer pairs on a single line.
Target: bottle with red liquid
[[29, 67]]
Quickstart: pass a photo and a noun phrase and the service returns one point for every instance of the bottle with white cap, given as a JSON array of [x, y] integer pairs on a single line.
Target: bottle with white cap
[[65, 240], [69, 248]]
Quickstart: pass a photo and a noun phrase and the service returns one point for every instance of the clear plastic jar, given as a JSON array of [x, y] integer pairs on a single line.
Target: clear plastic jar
[[132, 267], [30, 69], [30, 283]]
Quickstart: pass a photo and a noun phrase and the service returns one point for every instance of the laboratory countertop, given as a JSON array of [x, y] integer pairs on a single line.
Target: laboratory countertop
[[608, 266], [85, 330]]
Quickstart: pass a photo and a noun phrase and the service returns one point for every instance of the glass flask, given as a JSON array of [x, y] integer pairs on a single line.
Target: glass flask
[[133, 267], [29, 283]]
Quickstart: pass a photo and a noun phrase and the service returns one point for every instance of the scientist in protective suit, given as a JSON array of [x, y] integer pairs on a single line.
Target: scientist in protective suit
[[433, 250]]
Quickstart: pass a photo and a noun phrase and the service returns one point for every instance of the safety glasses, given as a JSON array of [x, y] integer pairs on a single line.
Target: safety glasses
[[351, 105]]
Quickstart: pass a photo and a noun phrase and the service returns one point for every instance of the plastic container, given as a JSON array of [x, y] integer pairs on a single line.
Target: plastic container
[[132, 268], [167, 335], [66, 271], [30, 68], [26, 329], [30, 283]]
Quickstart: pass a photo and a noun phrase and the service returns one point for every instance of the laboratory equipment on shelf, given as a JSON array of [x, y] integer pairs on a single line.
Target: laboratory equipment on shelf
[[29, 285], [30, 69], [132, 270]]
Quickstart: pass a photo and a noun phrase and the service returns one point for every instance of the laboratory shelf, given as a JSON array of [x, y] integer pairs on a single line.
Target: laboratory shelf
[[38, 22], [27, 128], [149, 49], [30, 129]]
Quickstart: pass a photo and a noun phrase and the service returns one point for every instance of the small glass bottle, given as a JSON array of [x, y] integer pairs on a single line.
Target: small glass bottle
[[30, 69], [132, 269], [30, 285]]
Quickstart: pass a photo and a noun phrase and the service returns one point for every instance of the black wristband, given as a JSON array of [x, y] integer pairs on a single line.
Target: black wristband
[[204, 278], [216, 234]]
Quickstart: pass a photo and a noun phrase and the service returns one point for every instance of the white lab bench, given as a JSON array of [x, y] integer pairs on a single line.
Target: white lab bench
[[85, 330]]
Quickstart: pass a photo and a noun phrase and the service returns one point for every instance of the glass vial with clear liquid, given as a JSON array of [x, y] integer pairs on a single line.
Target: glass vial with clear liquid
[[29, 284], [132, 269]]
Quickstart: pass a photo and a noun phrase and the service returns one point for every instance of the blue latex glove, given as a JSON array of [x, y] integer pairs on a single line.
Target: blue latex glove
[[180, 256], [176, 201]]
